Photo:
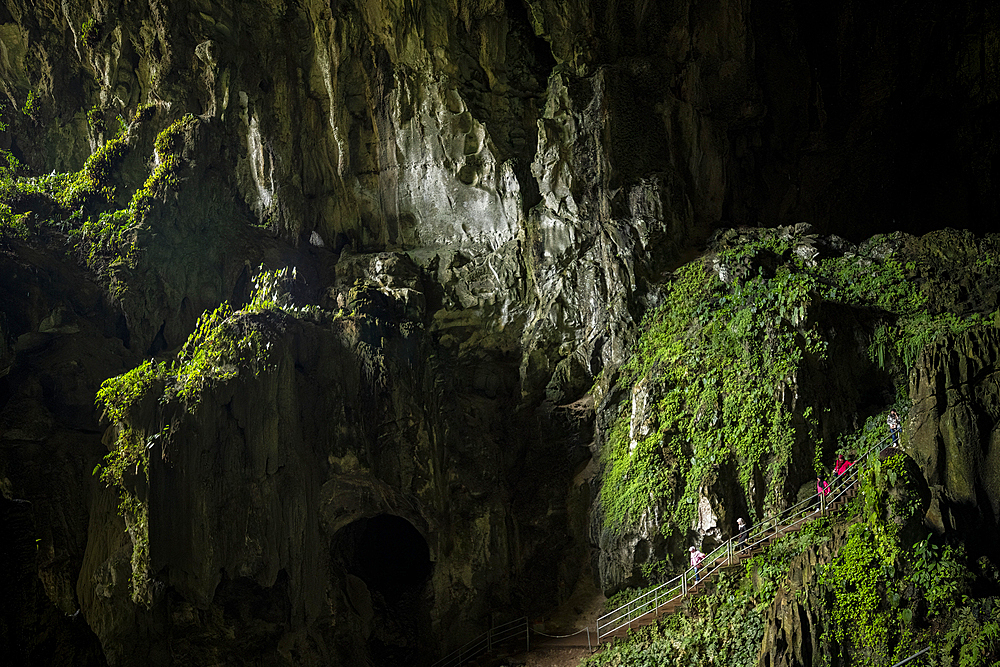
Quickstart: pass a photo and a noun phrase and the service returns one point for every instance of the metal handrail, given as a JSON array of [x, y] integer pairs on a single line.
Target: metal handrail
[[915, 655], [652, 600], [486, 641]]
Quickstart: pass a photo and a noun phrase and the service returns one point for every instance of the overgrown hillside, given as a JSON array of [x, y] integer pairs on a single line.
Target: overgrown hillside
[[767, 357]]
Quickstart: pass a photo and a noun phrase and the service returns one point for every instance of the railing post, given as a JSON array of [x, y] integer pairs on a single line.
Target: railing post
[[684, 585], [822, 504]]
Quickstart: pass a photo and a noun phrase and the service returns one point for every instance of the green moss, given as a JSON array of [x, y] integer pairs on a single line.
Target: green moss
[[119, 394], [86, 198], [720, 629], [12, 225], [145, 112], [881, 595], [126, 465], [877, 602], [90, 31], [95, 118], [92, 186], [223, 346], [30, 108], [111, 237]]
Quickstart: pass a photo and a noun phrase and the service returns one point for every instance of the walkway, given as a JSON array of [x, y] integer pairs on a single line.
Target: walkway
[[668, 597]]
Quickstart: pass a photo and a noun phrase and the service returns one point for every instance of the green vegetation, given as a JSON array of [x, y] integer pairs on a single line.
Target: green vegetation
[[95, 118], [126, 466], [84, 206], [720, 630], [877, 599], [90, 31], [111, 237], [224, 346], [863, 573], [713, 377], [722, 627], [30, 108], [713, 388], [12, 225], [65, 197], [717, 360], [271, 291], [886, 601]]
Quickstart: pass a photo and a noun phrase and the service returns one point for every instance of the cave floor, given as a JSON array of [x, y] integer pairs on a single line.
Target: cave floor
[[550, 657]]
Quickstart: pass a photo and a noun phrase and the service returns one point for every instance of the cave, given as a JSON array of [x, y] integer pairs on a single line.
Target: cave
[[448, 234], [387, 553], [393, 560]]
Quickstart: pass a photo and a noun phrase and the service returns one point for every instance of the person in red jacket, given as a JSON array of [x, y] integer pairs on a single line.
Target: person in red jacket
[[822, 488]]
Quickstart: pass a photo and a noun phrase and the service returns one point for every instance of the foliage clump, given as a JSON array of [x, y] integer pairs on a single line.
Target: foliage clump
[[90, 31], [85, 205], [30, 108], [225, 345], [724, 626], [713, 378], [719, 361], [886, 600], [877, 599], [111, 237]]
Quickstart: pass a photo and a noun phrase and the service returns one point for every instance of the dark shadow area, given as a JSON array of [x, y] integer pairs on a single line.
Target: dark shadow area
[[389, 555], [876, 118], [392, 558], [32, 630]]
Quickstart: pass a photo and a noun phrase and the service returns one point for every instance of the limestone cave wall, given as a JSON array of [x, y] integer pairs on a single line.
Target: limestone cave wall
[[506, 182]]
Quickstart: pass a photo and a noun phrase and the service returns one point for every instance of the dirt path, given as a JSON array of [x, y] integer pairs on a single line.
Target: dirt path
[[577, 613], [550, 657]]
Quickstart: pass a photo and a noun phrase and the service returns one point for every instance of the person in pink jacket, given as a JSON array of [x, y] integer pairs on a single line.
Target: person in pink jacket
[[696, 558], [841, 466], [822, 488]]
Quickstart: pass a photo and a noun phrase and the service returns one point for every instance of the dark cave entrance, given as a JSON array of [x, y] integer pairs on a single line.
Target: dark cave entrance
[[388, 554], [392, 558]]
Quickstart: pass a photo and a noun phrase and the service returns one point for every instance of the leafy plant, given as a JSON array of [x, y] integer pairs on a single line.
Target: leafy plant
[[712, 378], [95, 118], [90, 31], [941, 574]]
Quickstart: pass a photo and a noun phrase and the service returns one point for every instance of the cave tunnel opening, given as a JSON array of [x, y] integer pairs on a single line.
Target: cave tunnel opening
[[388, 554], [392, 559]]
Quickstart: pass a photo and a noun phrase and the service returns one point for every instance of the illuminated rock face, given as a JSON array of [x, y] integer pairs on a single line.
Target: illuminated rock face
[[953, 435], [510, 183]]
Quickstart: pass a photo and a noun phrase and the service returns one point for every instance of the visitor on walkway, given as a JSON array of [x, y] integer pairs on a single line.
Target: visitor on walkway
[[742, 529], [841, 466], [696, 558], [822, 488], [894, 426]]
